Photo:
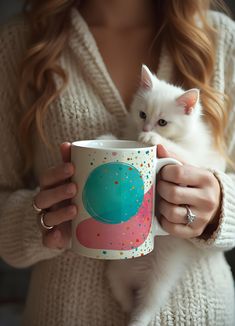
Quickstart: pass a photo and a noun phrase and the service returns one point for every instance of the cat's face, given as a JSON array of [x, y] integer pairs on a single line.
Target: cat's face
[[164, 108]]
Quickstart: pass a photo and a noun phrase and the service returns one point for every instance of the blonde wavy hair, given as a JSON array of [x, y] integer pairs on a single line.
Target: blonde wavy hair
[[191, 47]]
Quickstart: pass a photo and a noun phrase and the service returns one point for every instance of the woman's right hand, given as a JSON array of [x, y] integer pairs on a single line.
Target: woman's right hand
[[56, 192]]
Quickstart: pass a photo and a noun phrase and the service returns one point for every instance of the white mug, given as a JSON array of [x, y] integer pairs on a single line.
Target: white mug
[[116, 198]]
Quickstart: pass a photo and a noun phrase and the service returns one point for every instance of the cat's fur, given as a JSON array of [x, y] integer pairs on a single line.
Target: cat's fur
[[186, 134], [142, 285]]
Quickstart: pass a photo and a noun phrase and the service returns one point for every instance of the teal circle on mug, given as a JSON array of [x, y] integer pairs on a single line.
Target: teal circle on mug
[[113, 192]]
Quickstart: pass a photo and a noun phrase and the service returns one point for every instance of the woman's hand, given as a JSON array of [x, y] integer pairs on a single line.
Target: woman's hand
[[55, 194], [202, 195]]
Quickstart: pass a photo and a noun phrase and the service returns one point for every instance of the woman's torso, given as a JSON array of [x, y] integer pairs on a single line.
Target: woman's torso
[[72, 290]]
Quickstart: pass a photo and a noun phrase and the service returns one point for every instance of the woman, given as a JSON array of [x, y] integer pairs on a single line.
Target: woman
[[81, 68]]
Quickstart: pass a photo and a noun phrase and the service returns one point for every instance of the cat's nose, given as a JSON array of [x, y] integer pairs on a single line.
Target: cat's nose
[[147, 127]]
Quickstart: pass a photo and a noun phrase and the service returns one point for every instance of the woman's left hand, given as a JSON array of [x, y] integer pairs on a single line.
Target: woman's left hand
[[201, 193]]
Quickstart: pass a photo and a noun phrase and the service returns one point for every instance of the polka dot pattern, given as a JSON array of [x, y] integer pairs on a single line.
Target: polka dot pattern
[[116, 204]]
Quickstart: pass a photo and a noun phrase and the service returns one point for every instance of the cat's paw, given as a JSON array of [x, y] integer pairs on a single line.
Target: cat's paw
[[149, 137]]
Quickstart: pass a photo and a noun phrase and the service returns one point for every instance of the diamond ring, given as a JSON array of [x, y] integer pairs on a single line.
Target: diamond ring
[[190, 216]]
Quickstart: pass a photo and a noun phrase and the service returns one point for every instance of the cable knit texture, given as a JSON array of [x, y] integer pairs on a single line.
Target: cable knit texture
[[69, 290]]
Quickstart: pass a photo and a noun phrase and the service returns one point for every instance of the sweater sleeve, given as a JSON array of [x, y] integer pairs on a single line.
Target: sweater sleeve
[[20, 236], [223, 238]]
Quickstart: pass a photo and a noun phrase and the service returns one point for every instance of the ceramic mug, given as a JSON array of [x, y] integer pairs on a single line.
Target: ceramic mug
[[116, 198]]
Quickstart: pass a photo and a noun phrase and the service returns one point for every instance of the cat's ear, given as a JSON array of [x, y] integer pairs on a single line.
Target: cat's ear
[[146, 78], [189, 100]]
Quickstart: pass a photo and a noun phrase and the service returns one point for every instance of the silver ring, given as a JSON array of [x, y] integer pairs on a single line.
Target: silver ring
[[44, 226], [35, 207], [190, 216]]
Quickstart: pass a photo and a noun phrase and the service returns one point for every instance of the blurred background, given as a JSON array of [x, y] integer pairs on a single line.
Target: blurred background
[[10, 7], [14, 282]]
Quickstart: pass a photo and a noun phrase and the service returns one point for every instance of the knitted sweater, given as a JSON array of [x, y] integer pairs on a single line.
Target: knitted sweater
[[67, 289]]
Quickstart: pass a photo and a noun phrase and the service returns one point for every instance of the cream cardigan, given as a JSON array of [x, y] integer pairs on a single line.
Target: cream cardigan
[[69, 290]]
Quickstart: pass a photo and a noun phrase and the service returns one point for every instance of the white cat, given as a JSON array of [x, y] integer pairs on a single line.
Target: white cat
[[161, 114], [165, 114]]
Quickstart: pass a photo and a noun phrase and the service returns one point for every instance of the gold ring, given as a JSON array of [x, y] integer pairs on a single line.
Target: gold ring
[[44, 226], [35, 207]]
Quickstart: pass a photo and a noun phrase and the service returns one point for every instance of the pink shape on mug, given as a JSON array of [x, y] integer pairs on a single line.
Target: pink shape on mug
[[123, 236]]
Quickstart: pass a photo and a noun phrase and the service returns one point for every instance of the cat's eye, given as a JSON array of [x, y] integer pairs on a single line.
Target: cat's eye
[[142, 115], [162, 123]]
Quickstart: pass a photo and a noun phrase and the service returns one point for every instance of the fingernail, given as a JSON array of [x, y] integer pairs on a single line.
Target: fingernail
[[66, 143], [70, 189], [164, 148]]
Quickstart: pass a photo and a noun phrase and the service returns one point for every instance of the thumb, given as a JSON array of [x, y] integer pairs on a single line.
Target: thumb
[[65, 150], [162, 152]]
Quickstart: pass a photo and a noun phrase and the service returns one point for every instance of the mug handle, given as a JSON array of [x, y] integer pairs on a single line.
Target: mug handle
[[157, 229]]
